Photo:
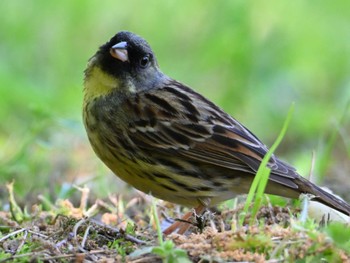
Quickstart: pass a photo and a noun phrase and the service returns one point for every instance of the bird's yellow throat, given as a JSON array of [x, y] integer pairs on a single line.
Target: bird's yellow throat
[[97, 84]]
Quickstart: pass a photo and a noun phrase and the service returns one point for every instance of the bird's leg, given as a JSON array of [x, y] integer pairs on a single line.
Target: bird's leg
[[181, 225]]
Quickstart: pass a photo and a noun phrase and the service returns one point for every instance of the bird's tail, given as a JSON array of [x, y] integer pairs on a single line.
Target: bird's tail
[[323, 196]]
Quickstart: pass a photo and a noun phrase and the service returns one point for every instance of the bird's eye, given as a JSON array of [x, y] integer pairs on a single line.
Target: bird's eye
[[144, 61]]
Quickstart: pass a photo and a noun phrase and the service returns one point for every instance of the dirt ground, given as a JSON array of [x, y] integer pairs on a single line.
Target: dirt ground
[[104, 233]]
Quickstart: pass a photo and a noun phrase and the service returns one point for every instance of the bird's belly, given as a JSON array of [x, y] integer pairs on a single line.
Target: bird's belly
[[161, 181], [168, 186]]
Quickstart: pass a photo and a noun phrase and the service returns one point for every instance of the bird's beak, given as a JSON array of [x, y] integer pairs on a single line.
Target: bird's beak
[[119, 51]]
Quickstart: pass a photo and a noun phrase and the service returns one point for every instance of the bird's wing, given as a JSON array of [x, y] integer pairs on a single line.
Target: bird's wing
[[174, 120]]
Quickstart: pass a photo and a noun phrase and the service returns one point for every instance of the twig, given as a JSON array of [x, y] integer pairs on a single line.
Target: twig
[[76, 227], [22, 242], [12, 234], [74, 255], [126, 236], [85, 236], [39, 257], [134, 239], [37, 234]]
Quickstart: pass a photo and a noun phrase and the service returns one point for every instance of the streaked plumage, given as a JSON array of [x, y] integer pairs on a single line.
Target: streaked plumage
[[163, 138]]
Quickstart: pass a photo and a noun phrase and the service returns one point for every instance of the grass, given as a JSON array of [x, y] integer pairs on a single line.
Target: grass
[[57, 237], [166, 249], [257, 189]]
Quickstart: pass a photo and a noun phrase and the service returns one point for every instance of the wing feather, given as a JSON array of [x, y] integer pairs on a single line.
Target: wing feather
[[206, 134]]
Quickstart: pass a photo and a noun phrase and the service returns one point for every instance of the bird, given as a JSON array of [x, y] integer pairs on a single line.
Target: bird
[[165, 139]]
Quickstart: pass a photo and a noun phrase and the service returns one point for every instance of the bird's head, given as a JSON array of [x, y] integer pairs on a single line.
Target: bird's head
[[126, 63]]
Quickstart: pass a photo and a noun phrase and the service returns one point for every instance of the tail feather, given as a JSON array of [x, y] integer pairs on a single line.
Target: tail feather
[[323, 196]]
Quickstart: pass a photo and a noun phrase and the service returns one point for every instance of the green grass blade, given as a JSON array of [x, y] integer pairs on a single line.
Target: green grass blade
[[156, 219], [260, 181]]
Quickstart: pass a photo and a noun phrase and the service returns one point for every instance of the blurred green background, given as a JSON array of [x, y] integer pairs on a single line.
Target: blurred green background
[[253, 58]]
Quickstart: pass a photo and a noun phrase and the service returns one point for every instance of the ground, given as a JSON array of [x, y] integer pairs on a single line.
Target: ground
[[115, 231]]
